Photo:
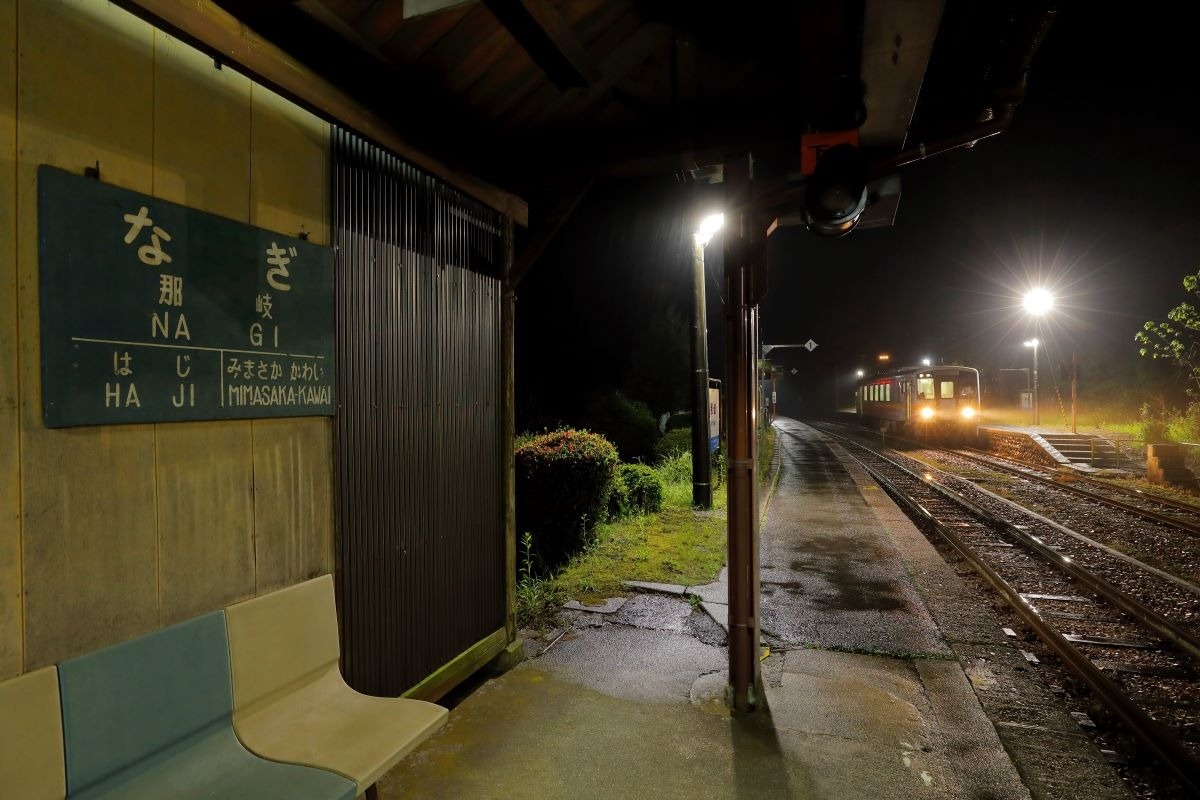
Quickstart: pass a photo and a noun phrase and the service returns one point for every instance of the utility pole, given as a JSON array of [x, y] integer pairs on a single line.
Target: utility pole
[[701, 458], [743, 252]]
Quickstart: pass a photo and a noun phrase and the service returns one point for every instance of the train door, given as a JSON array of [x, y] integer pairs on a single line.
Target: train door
[[944, 386]]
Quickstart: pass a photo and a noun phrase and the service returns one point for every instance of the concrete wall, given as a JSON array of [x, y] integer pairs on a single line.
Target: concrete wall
[[110, 532]]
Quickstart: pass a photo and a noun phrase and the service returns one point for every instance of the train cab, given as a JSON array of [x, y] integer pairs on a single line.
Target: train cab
[[933, 402]]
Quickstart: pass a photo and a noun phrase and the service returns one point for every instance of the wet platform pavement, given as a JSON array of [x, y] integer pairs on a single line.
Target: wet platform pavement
[[864, 694]]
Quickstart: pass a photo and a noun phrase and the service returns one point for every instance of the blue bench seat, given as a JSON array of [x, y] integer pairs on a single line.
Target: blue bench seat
[[152, 718]]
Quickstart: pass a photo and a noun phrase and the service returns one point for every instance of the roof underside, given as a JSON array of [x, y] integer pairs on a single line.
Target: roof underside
[[531, 93]]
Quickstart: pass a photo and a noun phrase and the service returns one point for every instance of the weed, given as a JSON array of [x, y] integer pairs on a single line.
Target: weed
[[538, 599]]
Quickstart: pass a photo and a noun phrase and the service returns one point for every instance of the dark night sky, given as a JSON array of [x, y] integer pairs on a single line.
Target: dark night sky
[[1090, 193]]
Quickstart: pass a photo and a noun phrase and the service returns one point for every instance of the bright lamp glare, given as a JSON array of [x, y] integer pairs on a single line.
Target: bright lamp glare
[[968, 412], [1032, 343], [859, 373], [925, 361], [1038, 301], [708, 227], [926, 413]]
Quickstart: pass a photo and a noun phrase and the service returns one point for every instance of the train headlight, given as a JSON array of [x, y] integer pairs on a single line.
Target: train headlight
[[926, 413], [968, 412]]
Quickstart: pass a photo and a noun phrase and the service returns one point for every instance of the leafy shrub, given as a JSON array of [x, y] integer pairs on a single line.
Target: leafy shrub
[[1154, 423], [1184, 426], [564, 479], [673, 443], [681, 420], [626, 423], [676, 469], [719, 465], [618, 498], [642, 486]]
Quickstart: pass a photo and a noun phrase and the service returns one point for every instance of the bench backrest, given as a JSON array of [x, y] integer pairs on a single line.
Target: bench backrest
[[31, 745], [126, 702], [281, 640]]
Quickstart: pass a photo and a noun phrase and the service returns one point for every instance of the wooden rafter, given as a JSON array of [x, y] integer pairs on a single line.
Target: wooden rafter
[[559, 210], [549, 40]]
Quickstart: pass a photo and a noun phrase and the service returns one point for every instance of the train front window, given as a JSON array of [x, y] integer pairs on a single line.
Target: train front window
[[947, 390], [925, 387]]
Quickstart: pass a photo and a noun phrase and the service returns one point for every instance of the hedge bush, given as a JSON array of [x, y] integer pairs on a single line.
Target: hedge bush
[[643, 488], [618, 498], [680, 420], [564, 479], [626, 423], [673, 443]]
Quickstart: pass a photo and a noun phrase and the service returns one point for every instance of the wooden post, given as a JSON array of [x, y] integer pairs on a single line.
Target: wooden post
[[508, 431], [742, 235]]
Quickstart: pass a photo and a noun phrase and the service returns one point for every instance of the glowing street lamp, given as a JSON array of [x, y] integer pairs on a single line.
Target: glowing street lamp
[[858, 373], [1037, 302], [701, 461], [1034, 344], [710, 225], [925, 362]]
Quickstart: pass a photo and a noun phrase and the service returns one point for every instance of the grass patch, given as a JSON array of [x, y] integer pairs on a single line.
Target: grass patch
[[677, 545], [766, 452]]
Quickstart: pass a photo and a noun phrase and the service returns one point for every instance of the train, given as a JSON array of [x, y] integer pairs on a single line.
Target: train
[[940, 402]]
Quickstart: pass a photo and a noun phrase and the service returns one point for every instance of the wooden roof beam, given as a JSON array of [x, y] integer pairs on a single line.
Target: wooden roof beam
[[558, 211], [547, 37], [219, 33]]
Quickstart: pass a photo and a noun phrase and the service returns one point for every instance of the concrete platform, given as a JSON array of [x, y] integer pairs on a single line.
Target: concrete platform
[[864, 695]]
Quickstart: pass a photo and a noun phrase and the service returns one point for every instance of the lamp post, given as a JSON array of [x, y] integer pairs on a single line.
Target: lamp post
[[701, 461], [1037, 302], [1034, 344]]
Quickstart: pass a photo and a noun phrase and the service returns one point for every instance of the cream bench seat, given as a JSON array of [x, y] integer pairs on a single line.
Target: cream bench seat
[[31, 737], [290, 702]]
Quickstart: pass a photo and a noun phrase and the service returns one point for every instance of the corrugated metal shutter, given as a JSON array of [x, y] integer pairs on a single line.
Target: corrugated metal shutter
[[419, 428]]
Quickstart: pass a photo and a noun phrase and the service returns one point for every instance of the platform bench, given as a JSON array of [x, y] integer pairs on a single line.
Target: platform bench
[[31, 745], [290, 702], [152, 718]]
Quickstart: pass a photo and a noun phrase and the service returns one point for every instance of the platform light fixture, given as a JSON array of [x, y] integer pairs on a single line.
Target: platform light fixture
[[925, 362], [1038, 301], [859, 373], [701, 458], [708, 226], [884, 358], [1034, 344]]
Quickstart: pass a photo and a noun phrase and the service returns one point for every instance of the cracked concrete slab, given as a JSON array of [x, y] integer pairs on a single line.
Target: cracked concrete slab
[[661, 588], [609, 606], [654, 612]]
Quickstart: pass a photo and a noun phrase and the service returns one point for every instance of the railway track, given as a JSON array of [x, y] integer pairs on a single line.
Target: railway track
[[1159, 509], [1135, 524], [1141, 661]]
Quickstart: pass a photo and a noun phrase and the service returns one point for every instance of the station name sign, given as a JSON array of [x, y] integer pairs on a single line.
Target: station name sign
[[155, 312]]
